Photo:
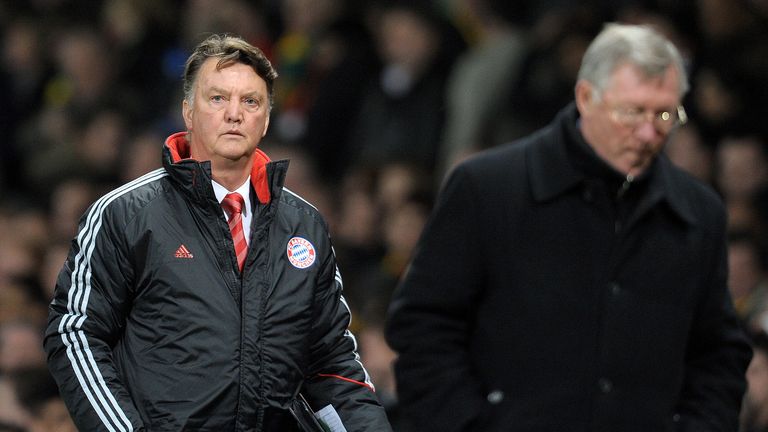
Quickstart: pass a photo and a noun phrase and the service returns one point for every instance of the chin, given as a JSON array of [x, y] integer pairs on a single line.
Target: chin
[[637, 170], [239, 157], [235, 149]]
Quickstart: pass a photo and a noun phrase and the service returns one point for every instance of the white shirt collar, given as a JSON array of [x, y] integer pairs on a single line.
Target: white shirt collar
[[244, 190]]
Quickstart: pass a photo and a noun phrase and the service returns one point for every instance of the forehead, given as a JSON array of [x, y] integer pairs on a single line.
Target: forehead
[[232, 76], [628, 84]]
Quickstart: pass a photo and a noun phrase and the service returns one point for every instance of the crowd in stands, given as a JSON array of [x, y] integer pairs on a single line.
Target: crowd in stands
[[376, 101]]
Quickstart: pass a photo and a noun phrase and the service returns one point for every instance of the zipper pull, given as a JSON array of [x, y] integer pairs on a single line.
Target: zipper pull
[[625, 186]]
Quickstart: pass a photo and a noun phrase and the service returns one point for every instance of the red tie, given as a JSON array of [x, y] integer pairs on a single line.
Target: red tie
[[233, 205]]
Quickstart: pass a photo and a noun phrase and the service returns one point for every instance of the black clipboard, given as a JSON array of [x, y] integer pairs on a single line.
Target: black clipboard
[[304, 415]]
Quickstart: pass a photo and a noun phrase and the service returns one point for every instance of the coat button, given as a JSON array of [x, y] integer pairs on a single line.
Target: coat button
[[615, 288], [588, 195], [605, 385], [495, 397]]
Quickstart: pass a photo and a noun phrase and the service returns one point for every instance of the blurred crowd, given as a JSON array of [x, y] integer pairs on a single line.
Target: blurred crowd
[[375, 102]]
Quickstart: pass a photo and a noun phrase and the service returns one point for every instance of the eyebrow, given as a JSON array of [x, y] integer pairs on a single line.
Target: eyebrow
[[254, 94], [644, 108]]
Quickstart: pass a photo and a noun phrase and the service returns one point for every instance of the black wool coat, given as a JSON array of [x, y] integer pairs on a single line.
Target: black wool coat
[[546, 297]]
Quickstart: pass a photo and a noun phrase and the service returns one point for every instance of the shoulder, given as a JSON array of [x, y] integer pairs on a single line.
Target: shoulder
[[503, 163], [697, 199], [301, 224], [121, 205], [298, 209], [494, 158], [689, 186]]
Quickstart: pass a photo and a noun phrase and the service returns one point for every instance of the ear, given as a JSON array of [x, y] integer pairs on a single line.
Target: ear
[[585, 101], [266, 126], [186, 112]]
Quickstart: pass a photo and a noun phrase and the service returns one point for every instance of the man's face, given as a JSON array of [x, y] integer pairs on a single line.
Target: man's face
[[229, 116], [625, 126]]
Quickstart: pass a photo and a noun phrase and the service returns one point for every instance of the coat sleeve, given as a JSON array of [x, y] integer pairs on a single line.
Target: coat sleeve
[[86, 317], [337, 376], [431, 316], [717, 354]]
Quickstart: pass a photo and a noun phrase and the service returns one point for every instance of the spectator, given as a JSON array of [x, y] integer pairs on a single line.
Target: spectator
[[687, 149], [741, 172], [38, 395], [484, 78], [747, 275], [139, 155], [24, 69], [20, 343], [68, 201], [343, 62], [401, 118], [731, 63], [754, 417], [13, 416]]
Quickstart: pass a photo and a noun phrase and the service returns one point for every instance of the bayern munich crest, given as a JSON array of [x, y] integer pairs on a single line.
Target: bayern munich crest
[[300, 252]]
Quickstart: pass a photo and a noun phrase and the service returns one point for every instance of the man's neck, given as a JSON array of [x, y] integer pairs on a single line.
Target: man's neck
[[231, 177]]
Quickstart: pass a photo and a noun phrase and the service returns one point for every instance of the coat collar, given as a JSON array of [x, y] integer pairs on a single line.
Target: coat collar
[[552, 171], [266, 176]]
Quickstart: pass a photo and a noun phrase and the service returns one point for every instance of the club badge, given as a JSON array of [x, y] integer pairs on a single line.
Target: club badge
[[300, 252]]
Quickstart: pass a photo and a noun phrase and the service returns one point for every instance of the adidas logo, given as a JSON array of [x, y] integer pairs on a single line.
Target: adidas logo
[[183, 252]]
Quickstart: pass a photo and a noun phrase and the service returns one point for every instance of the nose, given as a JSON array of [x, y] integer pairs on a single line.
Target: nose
[[234, 111], [646, 130]]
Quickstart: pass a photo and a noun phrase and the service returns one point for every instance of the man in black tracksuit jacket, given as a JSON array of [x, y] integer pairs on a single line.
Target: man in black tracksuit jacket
[[153, 325]]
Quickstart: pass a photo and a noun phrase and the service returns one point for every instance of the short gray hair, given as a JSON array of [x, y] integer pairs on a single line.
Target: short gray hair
[[637, 45]]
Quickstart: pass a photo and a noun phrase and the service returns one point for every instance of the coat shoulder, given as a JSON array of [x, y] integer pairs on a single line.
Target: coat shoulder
[[121, 205], [496, 163], [701, 196], [299, 210]]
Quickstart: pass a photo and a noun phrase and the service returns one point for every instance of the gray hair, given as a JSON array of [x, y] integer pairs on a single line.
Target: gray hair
[[228, 49], [638, 45]]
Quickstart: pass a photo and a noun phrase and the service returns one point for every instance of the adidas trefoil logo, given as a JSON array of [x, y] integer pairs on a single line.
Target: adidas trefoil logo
[[183, 252]]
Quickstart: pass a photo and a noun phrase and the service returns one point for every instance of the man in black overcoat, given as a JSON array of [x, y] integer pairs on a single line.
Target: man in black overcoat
[[575, 281]]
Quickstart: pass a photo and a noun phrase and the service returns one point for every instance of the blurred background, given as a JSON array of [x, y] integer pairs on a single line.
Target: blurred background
[[375, 102]]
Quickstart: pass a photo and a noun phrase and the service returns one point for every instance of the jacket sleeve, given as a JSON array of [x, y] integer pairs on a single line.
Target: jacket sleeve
[[337, 376], [86, 317], [717, 355], [431, 315]]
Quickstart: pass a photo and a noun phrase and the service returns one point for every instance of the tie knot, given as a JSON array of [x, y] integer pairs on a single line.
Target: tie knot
[[233, 203]]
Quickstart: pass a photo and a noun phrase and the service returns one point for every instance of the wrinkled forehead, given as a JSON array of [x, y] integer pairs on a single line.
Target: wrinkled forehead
[[629, 82], [232, 74]]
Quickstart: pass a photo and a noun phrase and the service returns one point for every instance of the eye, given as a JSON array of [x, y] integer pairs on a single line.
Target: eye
[[251, 102], [633, 111], [217, 99]]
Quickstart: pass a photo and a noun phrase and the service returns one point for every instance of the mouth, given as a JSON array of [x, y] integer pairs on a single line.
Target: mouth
[[233, 133]]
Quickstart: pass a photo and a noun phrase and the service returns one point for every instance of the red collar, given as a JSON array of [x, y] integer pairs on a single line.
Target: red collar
[[179, 148]]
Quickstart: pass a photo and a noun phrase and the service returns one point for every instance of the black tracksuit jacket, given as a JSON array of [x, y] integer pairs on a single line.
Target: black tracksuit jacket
[[153, 328]]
